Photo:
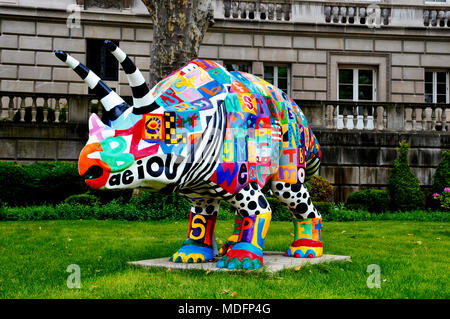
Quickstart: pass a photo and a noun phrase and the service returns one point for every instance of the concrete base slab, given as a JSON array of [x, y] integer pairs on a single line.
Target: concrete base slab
[[273, 261]]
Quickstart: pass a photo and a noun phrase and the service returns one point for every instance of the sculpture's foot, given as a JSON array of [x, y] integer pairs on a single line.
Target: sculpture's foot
[[242, 256], [191, 252], [231, 241], [305, 248]]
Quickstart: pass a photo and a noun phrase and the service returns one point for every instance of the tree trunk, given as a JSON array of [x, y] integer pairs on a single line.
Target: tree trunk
[[178, 30]]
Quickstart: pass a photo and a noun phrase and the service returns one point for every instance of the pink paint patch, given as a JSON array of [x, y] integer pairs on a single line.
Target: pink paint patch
[[136, 131]]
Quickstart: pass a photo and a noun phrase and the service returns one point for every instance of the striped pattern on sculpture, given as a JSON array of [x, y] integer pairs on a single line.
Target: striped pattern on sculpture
[[210, 135]]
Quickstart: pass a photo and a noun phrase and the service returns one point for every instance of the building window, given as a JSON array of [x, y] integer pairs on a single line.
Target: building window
[[105, 4], [356, 84], [101, 61], [437, 87], [238, 66], [436, 1], [278, 75]]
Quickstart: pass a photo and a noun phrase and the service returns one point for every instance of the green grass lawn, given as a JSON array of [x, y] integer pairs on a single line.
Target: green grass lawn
[[413, 258]]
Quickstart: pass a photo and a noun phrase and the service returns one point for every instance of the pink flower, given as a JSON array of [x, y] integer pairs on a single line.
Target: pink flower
[[435, 195], [447, 189]]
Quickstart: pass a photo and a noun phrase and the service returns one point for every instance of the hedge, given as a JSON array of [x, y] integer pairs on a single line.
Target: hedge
[[441, 177], [47, 183], [404, 187], [372, 200], [39, 183], [179, 210], [320, 189]]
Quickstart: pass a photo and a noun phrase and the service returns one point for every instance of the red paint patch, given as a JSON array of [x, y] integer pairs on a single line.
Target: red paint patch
[[241, 254], [306, 243]]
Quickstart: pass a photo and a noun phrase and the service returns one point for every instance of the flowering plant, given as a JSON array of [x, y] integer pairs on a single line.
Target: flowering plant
[[444, 199]]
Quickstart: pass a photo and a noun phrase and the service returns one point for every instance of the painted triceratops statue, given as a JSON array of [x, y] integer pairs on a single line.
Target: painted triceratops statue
[[209, 135]]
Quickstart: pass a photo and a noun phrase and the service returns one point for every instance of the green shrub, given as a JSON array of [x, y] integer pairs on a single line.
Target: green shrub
[[17, 116], [50, 115], [441, 177], [404, 186], [52, 182], [441, 201], [279, 211], [117, 211], [107, 195], [39, 114], [28, 116], [445, 200], [339, 214], [82, 199], [324, 207], [39, 183], [373, 200], [159, 206], [62, 117], [15, 186], [320, 189], [226, 211]]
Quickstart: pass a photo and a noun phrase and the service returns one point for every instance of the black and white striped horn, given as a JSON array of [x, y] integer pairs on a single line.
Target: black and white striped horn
[[143, 101], [113, 103]]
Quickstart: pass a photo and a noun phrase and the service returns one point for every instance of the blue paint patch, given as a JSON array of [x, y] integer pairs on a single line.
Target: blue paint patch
[[248, 247]]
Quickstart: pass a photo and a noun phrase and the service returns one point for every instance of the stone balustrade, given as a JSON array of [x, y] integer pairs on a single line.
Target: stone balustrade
[[257, 10], [372, 14], [46, 107], [377, 116], [436, 17]]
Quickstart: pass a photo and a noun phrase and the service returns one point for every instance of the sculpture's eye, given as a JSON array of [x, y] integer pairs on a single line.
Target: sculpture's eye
[[93, 172]]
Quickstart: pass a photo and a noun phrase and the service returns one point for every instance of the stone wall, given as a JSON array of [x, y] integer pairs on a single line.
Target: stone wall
[[313, 52], [29, 143], [351, 160], [355, 160], [27, 42]]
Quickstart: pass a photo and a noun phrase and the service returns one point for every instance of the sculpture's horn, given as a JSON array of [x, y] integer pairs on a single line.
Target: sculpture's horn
[[113, 103], [143, 101]]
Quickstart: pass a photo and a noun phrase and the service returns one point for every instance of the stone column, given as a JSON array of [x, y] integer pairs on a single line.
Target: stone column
[[396, 117], [78, 109]]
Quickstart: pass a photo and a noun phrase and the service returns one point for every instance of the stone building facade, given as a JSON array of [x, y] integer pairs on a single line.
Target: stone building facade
[[312, 39], [383, 51]]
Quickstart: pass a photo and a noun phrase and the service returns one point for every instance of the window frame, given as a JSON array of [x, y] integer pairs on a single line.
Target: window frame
[[434, 85], [355, 85], [275, 77], [123, 4], [104, 54], [436, 2], [233, 62], [356, 69]]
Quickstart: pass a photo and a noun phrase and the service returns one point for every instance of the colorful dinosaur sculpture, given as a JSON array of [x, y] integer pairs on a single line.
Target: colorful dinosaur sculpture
[[209, 135]]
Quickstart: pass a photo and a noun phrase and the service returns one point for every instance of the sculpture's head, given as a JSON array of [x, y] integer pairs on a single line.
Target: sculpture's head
[[116, 156], [91, 166], [97, 161], [154, 142]]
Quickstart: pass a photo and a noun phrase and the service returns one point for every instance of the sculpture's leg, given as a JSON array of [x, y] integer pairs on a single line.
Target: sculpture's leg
[[232, 240], [307, 220], [198, 247], [256, 214]]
